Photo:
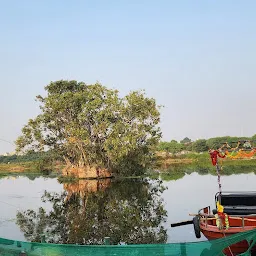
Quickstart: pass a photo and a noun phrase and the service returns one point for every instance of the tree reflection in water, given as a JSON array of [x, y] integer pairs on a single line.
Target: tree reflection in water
[[128, 211]]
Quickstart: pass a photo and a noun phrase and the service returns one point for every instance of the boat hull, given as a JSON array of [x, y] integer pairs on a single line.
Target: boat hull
[[211, 232]]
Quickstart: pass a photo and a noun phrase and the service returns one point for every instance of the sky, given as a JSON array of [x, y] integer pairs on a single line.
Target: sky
[[197, 58]]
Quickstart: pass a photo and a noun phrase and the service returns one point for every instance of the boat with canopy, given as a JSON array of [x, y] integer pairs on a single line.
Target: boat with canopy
[[235, 211]]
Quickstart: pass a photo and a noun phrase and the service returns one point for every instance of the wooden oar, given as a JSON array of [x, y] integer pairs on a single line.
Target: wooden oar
[[182, 223]]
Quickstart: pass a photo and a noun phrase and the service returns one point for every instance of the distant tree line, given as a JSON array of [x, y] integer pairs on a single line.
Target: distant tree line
[[202, 145], [30, 157], [41, 161], [173, 147]]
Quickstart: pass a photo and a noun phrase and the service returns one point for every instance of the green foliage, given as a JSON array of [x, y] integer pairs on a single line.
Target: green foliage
[[199, 146], [170, 147], [23, 158], [186, 140], [173, 172], [204, 145], [215, 143], [29, 157], [92, 125], [44, 165], [203, 165], [130, 211], [188, 146], [43, 162]]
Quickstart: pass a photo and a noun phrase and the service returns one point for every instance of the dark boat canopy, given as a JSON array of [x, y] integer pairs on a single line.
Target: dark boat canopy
[[237, 203]]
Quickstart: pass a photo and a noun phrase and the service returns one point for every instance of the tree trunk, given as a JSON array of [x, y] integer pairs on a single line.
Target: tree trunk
[[86, 172]]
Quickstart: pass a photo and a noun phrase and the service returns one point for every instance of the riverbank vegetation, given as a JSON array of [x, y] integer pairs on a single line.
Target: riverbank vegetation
[[89, 131], [32, 162], [173, 159], [166, 167], [175, 168], [187, 146]]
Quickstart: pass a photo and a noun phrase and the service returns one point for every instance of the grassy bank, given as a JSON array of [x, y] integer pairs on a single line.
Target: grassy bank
[[168, 167], [18, 167], [26, 167], [175, 168]]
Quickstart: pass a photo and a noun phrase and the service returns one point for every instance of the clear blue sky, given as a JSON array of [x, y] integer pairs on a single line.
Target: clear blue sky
[[197, 58]]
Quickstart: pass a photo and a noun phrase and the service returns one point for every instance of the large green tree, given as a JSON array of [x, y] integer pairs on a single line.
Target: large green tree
[[90, 125]]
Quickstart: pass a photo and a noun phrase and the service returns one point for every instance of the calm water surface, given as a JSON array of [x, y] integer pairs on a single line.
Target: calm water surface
[[133, 211]]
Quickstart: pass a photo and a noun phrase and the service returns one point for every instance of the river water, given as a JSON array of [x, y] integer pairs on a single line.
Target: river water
[[129, 210]]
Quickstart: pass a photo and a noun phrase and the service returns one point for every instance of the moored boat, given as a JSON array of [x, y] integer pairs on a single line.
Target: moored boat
[[235, 211], [239, 215]]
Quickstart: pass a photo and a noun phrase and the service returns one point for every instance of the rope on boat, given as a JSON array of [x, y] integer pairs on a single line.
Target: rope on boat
[[228, 245]]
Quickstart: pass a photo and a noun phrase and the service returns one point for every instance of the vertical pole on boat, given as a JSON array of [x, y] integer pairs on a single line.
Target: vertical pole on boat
[[214, 156], [218, 173]]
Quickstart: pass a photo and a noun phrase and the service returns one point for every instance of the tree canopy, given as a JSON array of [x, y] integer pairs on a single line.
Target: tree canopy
[[203, 145], [93, 125], [199, 146], [217, 142], [171, 147], [186, 140]]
